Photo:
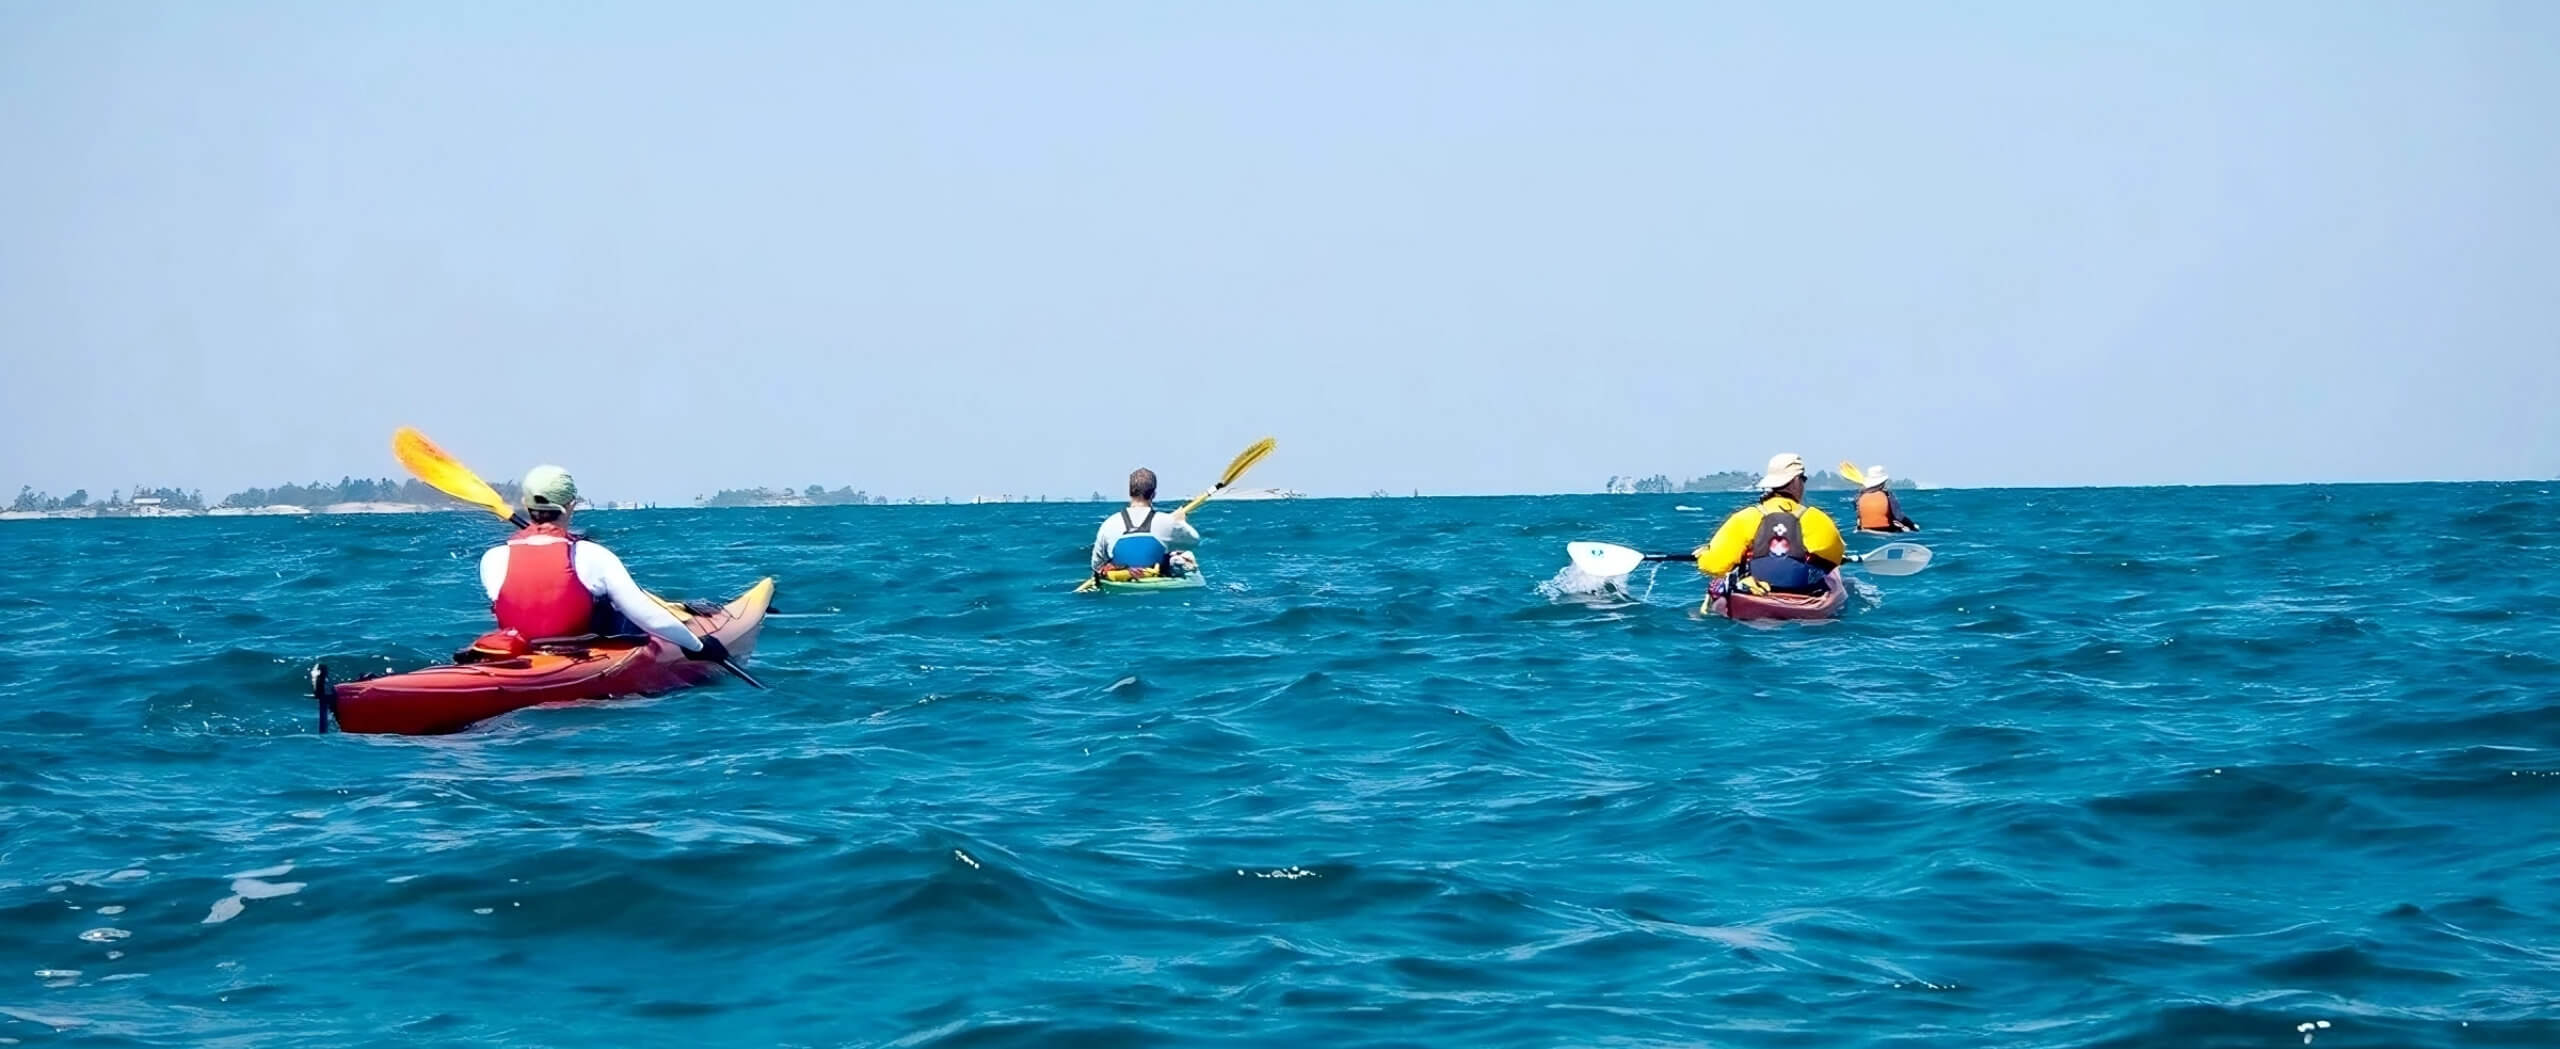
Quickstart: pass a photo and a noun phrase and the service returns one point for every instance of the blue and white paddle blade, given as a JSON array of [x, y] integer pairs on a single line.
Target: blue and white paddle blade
[[1603, 559], [1895, 559]]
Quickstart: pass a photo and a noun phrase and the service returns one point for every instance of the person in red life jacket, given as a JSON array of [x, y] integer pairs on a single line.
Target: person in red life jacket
[[545, 583], [1140, 542], [1878, 510]]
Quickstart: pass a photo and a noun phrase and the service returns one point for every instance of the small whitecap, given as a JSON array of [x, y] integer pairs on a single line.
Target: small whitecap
[[113, 977], [484, 910], [307, 814], [112, 908], [129, 874], [113, 955], [253, 889], [104, 935], [57, 888], [224, 910], [57, 974], [965, 858]]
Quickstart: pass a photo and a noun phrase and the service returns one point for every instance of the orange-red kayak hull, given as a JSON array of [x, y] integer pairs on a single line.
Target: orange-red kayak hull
[[450, 697]]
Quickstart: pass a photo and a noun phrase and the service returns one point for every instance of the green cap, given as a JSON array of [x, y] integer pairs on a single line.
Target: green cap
[[547, 484]]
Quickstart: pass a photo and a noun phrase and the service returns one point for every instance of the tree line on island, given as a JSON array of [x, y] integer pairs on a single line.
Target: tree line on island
[[813, 495], [30, 500], [388, 491], [1722, 481], [311, 496]]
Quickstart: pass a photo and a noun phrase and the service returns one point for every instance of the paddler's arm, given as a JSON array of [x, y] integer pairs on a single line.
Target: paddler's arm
[[1822, 538], [1102, 538], [1725, 550], [1180, 535], [493, 571], [598, 568]]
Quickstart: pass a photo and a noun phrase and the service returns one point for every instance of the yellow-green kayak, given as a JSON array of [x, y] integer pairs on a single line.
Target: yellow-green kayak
[[1140, 586]]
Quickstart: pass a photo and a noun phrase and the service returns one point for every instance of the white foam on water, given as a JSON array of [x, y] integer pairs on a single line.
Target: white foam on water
[[58, 1023], [1573, 582], [104, 935], [246, 887], [129, 875], [57, 974], [253, 889], [112, 908], [484, 910]]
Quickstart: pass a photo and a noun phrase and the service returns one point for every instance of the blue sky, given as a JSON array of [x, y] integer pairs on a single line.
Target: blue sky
[[951, 248]]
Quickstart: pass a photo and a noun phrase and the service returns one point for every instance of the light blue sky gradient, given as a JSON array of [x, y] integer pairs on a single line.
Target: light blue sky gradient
[[956, 248]]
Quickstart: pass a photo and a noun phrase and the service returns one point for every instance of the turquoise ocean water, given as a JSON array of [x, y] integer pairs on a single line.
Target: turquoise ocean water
[[2171, 767]]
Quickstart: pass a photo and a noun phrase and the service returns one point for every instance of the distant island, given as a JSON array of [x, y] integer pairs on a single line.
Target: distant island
[[351, 495], [1730, 481], [383, 495]]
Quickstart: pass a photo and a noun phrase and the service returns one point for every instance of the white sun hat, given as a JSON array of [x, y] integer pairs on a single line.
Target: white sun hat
[[1783, 467]]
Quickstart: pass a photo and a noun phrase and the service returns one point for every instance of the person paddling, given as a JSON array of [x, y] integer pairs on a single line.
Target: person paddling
[[1139, 542], [1878, 510], [544, 583], [1777, 544]]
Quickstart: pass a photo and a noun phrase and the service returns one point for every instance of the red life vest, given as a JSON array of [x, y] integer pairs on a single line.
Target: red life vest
[[541, 596]]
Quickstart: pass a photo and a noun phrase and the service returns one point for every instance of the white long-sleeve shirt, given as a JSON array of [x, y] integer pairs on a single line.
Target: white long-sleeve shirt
[[603, 576], [1175, 532]]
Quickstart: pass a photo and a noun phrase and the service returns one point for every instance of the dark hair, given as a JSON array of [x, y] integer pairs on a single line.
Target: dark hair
[[544, 514], [1142, 484]]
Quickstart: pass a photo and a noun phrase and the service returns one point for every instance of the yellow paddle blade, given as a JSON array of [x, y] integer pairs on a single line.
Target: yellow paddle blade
[[445, 473], [1850, 470], [1244, 461]]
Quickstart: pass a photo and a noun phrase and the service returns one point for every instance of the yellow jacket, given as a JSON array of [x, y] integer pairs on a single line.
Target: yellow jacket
[[1821, 536]]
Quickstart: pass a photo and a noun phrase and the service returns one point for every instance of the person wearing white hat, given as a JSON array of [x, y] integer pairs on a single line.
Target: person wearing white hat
[[545, 583], [1777, 544], [1878, 510]]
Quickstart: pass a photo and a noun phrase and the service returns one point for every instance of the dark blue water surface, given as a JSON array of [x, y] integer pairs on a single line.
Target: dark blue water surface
[[2178, 767]]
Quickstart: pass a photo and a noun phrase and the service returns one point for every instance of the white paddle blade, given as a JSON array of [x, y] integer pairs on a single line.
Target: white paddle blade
[[1603, 559], [1896, 559]]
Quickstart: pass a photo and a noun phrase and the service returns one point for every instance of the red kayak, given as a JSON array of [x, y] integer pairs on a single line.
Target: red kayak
[[1825, 605], [452, 696]]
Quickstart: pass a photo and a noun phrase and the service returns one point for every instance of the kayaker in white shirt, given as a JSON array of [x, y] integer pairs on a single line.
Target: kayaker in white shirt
[[1142, 539], [545, 583]]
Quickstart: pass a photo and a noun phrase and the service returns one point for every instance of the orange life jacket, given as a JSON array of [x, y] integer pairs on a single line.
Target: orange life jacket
[[541, 596], [1875, 510]]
